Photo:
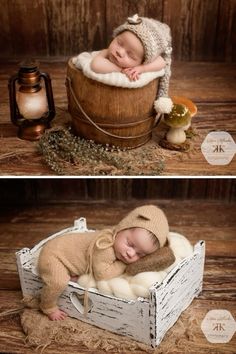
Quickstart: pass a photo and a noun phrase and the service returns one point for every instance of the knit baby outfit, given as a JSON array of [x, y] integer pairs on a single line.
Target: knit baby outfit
[[91, 252], [156, 39], [68, 255]]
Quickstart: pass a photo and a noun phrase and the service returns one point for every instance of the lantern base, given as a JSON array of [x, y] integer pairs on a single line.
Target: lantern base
[[33, 132]]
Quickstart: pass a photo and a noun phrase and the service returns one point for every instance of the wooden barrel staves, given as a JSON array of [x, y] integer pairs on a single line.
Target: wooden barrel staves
[[110, 115]]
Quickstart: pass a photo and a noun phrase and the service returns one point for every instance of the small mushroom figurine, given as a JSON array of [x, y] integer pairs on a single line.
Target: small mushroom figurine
[[179, 119]]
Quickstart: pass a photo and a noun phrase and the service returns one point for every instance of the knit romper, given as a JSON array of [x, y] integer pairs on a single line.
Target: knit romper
[[67, 255]]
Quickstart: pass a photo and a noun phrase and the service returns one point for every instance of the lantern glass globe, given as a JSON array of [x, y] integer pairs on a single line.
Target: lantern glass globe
[[32, 105]]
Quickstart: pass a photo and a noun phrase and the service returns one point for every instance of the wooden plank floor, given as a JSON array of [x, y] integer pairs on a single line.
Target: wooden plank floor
[[212, 221], [212, 86]]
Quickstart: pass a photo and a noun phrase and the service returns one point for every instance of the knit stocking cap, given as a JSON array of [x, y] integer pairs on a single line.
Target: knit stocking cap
[[156, 39], [148, 217]]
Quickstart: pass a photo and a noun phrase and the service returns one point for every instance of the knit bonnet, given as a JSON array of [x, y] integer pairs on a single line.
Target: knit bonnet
[[148, 217], [155, 37]]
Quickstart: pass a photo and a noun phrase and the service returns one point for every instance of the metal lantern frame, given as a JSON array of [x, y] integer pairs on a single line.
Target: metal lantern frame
[[29, 78]]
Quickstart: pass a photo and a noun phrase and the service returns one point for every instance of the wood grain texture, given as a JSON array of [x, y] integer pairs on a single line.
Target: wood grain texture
[[25, 227], [48, 191], [109, 107], [212, 86], [202, 29], [74, 26], [194, 29], [27, 32], [226, 37], [213, 221]]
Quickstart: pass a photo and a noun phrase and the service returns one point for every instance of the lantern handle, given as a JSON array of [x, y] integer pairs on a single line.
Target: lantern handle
[[12, 98], [49, 93]]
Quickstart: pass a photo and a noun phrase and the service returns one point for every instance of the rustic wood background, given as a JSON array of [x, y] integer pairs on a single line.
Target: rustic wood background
[[202, 30], [51, 191], [211, 86], [211, 220]]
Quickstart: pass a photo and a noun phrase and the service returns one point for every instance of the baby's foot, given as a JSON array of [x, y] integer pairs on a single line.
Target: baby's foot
[[57, 315]]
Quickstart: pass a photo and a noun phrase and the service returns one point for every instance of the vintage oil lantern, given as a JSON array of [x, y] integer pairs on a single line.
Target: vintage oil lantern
[[31, 100]]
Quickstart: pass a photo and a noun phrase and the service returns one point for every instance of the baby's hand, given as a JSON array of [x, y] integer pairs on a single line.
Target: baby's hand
[[133, 73]]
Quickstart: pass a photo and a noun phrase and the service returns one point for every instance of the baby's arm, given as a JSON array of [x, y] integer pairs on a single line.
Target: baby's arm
[[101, 64], [133, 73], [156, 65], [106, 265], [108, 271]]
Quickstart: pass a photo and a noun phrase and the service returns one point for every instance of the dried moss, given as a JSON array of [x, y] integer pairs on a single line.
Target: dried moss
[[67, 154]]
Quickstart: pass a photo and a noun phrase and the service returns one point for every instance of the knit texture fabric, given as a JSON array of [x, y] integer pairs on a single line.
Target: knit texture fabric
[[156, 39], [160, 259], [148, 217], [69, 255]]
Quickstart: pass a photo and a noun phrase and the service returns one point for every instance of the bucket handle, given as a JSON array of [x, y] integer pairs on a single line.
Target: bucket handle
[[68, 84]]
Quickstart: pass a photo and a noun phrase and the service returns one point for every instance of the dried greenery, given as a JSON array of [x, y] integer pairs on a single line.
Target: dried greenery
[[67, 154], [191, 133]]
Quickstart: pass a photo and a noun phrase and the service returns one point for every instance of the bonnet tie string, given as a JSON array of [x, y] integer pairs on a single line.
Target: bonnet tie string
[[101, 242]]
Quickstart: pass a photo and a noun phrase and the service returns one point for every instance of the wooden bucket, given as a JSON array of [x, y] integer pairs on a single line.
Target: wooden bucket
[[110, 115]]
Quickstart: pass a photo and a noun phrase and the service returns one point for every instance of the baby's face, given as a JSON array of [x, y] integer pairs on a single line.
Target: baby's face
[[126, 50], [132, 244]]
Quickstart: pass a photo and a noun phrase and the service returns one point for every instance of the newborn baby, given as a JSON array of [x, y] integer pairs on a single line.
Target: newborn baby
[[104, 254], [125, 54], [140, 45]]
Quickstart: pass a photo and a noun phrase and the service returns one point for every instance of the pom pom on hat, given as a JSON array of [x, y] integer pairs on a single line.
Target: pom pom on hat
[[163, 105]]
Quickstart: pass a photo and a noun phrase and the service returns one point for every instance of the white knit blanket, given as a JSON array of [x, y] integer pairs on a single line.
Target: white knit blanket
[[132, 287], [83, 60]]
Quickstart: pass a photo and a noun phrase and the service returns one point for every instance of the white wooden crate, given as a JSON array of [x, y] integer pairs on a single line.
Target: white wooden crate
[[146, 320]]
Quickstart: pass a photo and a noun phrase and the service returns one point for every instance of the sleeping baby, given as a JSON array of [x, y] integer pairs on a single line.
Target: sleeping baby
[[104, 254], [140, 45]]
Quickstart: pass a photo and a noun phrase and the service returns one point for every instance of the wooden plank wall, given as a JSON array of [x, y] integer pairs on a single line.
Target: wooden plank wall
[[15, 192], [202, 30]]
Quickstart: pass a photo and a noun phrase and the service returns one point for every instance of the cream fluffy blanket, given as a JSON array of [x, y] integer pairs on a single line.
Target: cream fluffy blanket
[[83, 60], [132, 287]]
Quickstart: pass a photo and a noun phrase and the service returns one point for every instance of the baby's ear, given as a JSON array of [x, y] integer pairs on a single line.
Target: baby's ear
[[158, 260]]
